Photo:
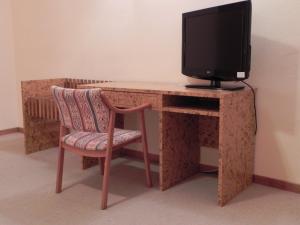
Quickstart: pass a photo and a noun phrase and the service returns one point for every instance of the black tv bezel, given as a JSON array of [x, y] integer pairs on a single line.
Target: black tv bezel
[[246, 6]]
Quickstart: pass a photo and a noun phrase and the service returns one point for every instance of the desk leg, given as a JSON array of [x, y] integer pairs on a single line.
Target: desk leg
[[236, 145], [179, 148]]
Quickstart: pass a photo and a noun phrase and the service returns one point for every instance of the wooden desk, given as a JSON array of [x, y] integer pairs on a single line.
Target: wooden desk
[[191, 118]]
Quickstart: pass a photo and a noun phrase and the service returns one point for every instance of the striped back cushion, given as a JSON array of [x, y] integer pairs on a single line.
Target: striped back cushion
[[81, 109]]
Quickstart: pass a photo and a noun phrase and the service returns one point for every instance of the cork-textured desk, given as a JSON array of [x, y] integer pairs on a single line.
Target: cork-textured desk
[[191, 118]]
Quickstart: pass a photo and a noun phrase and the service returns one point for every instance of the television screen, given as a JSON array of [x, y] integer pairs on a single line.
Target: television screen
[[216, 42]]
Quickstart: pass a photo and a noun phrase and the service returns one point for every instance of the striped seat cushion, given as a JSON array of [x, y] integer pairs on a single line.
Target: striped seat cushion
[[98, 141]]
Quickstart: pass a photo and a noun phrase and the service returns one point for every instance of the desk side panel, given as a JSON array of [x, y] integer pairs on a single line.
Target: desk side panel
[[236, 144], [179, 148]]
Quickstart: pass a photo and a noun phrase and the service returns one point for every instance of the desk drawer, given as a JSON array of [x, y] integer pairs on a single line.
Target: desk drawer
[[131, 99]]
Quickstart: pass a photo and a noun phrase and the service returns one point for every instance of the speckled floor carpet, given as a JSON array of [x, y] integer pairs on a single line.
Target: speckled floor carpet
[[27, 195]]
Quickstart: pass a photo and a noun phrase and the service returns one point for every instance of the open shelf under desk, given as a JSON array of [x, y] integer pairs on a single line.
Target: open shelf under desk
[[191, 110], [191, 105]]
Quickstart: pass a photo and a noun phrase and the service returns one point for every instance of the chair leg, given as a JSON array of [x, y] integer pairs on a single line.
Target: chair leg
[[105, 182], [60, 168], [147, 165], [145, 150], [101, 164], [112, 118]]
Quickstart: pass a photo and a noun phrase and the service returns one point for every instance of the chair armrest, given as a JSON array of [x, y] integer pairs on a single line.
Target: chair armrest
[[127, 110]]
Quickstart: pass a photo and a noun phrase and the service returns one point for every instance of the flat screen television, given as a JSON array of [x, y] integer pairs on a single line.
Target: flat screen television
[[216, 44]]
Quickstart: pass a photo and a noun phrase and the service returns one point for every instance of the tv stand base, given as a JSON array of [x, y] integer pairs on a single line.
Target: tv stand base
[[216, 85]]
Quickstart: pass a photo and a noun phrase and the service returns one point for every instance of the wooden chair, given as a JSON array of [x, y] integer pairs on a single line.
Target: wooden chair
[[88, 129]]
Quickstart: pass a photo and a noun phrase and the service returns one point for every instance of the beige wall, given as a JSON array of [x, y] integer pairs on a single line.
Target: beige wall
[[141, 40], [8, 89], [276, 71]]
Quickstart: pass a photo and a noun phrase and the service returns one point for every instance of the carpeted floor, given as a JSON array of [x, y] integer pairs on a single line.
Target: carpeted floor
[[27, 195]]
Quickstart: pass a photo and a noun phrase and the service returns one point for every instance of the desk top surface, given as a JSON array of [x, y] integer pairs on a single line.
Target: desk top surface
[[159, 88]]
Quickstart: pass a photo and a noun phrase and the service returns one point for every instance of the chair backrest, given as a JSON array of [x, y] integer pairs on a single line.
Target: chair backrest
[[81, 109]]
